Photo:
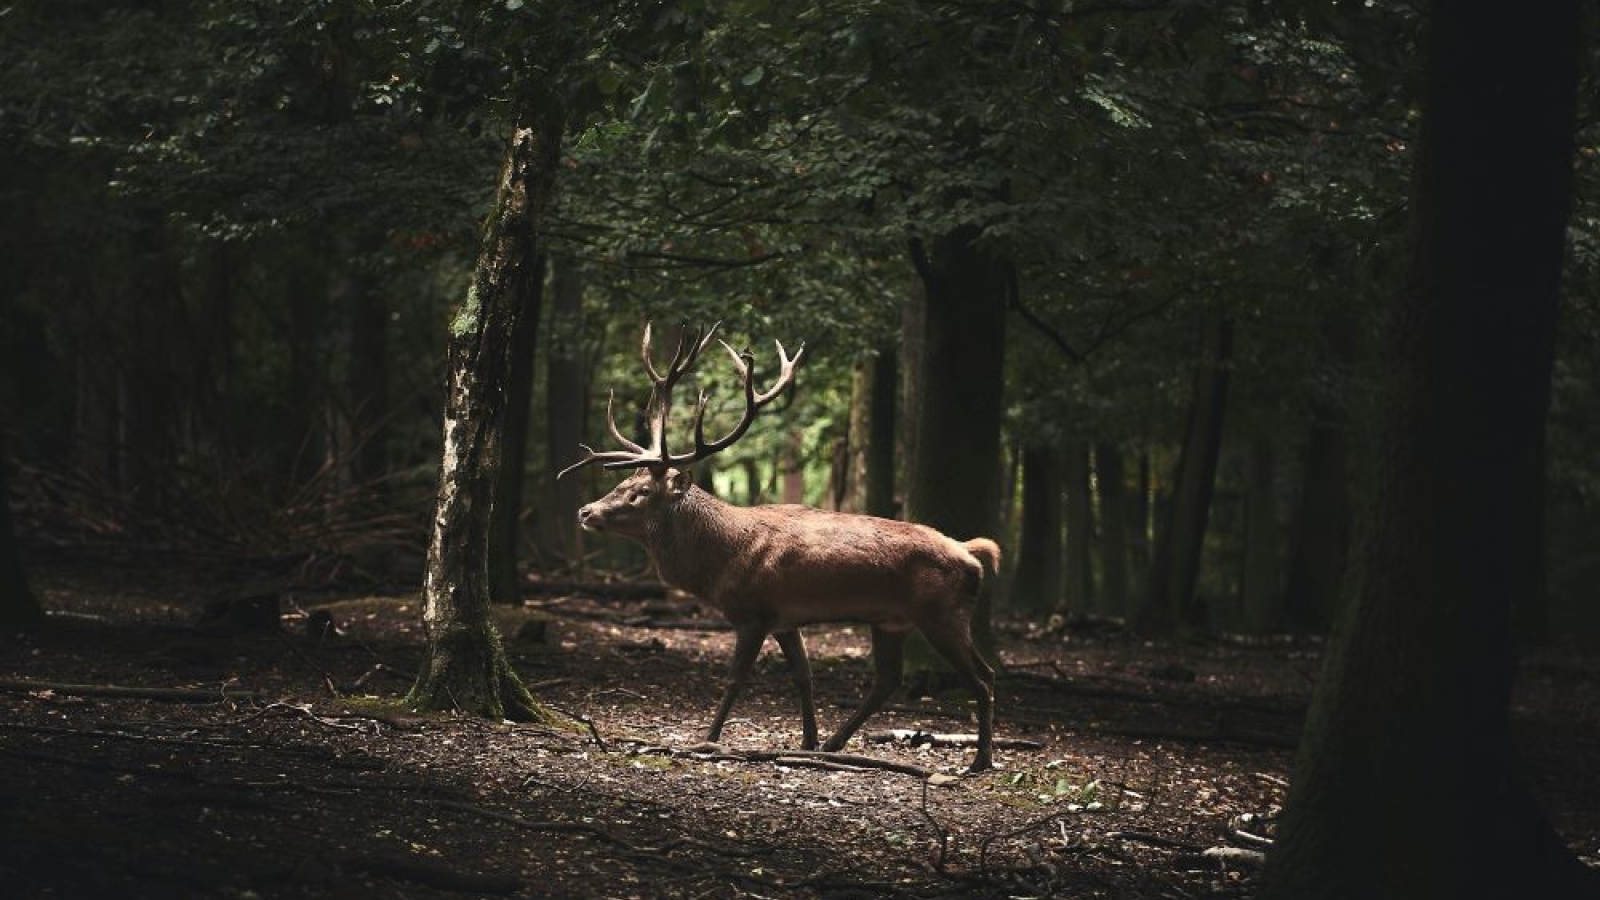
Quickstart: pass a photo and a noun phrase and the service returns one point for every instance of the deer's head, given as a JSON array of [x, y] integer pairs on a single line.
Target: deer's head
[[661, 478], [639, 500]]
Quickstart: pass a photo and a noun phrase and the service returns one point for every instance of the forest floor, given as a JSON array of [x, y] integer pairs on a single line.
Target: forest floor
[[1148, 770]]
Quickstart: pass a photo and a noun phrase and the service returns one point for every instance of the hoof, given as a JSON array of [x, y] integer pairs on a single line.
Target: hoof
[[810, 744], [706, 747], [981, 764]]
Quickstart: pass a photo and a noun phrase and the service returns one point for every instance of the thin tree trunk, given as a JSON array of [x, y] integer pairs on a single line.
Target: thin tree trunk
[[1080, 595], [368, 377], [505, 527], [794, 469], [566, 397], [1263, 593], [19, 607], [1175, 569], [1114, 530], [466, 666], [1321, 534], [1036, 585], [880, 449], [1406, 785], [952, 484]]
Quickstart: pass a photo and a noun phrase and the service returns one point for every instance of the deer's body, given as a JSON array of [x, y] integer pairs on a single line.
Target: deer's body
[[787, 566], [773, 569]]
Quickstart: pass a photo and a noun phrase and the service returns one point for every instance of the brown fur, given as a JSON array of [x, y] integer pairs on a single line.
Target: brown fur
[[772, 569]]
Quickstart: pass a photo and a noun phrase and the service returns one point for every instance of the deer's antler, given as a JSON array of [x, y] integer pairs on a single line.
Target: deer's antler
[[656, 455]]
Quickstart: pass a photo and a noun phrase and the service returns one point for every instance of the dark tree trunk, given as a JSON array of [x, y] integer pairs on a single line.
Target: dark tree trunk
[[913, 316], [19, 608], [505, 526], [466, 666], [1036, 584], [566, 399], [1176, 567], [880, 499], [306, 305], [1406, 785], [1114, 530], [1080, 595], [1263, 594], [368, 377], [952, 484], [1321, 534]]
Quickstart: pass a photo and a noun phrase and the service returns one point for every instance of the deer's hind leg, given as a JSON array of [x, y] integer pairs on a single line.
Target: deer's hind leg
[[794, 650], [888, 651], [951, 636]]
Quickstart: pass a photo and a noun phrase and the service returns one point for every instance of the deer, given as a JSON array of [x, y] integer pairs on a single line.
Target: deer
[[772, 569]]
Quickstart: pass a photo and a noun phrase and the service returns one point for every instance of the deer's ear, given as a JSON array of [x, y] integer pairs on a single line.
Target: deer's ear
[[679, 481]]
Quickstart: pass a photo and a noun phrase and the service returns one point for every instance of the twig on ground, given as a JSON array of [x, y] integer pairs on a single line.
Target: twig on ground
[[159, 694], [327, 679], [594, 733], [939, 828]]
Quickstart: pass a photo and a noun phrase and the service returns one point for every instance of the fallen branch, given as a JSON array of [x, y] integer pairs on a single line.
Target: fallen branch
[[1155, 840], [716, 752], [160, 694], [620, 590], [919, 738]]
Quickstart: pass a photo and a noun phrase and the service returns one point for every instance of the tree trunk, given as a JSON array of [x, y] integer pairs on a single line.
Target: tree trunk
[[952, 484], [368, 377], [19, 608], [793, 466], [1321, 535], [1114, 530], [913, 316], [880, 500], [566, 399], [1036, 585], [1263, 594], [1176, 567], [466, 666], [505, 526], [1079, 596], [1406, 785]]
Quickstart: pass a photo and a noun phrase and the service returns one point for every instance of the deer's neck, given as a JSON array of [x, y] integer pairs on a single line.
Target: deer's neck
[[692, 543]]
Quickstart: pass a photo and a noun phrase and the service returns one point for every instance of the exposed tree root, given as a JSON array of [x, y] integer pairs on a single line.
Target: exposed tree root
[[159, 694]]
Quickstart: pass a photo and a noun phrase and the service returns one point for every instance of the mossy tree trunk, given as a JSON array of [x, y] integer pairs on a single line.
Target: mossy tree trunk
[[466, 666], [1407, 785]]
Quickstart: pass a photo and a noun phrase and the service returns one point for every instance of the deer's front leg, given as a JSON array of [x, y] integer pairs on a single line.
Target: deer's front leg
[[746, 648], [794, 650]]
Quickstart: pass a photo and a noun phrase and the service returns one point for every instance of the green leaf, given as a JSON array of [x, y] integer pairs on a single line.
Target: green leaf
[[753, 77]]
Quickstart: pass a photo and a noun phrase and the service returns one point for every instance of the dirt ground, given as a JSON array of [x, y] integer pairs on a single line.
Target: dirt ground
[[1154, 770]]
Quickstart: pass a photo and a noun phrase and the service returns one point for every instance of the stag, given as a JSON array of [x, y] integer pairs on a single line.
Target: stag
[[772, 569]]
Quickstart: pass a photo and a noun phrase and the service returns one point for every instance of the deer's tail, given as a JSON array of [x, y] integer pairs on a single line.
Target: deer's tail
[[987, 553]]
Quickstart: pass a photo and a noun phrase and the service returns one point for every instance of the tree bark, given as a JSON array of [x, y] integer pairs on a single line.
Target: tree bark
[[1114, 530], [1406, 784], [880, 499], [953, 482], [566, 400], [1080, 595], [1263, 594], [1321, 534], [19, 607], [1176, 567], [466, 666], [368, 378], [1036, 585], [505, 526]]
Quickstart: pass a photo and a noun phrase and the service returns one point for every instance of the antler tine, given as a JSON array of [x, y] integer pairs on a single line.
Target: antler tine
[[608, 459], [785, 373], [611, 423]]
